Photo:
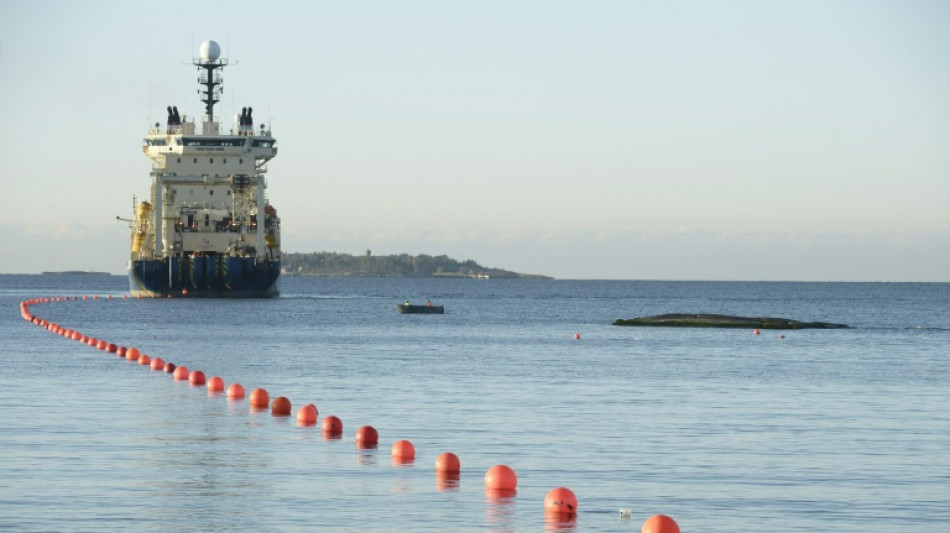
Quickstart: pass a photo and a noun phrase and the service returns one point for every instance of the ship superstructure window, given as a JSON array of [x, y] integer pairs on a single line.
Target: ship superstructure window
[[197, 141], [196, 160], [211, 160], [179, 160], [260, 143]]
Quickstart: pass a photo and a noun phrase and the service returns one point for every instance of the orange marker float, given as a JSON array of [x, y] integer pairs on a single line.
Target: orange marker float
[[501, 477], [196, 378], [560, 501], [367, 436], [235, 391], [403, 450], [169, 368], [660, 523], [332, 425], [145, 360], [157, 364], [215, 384], [132, 354], [280, 406], [447, 462], [307, 415], [259, 399], [181, 373]]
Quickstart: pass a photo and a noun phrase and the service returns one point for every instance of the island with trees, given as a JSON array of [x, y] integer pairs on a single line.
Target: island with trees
[[333, 264]]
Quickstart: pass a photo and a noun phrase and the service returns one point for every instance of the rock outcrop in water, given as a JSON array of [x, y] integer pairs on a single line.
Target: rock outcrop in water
[[686, 320]]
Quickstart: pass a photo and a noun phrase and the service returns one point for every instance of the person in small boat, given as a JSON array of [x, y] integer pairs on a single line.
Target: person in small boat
[[407, 303], [428, 303]]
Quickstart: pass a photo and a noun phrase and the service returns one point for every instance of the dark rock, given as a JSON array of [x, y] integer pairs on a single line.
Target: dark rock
[[686, 320]]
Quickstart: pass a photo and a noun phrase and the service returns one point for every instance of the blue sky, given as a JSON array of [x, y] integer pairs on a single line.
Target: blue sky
[[743, 140]]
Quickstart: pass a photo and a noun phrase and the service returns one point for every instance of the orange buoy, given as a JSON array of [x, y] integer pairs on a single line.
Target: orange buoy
[[332, 425], [259, 399], [196, 378], [215, 384], [577, 336], [102, 345], [367, 436], [501, 477], [184, 291], [280, 406], [112, 348], [169, 368], [132, 354], [560, 501], [447, 462], [403, 450], [235, 391], [121, 351], [307, 415], [660, 523], [181, 373], [157, 364], [145, 360], [756, 332]]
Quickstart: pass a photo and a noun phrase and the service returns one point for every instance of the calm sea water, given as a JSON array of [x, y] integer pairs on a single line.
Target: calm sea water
[[823, 430]]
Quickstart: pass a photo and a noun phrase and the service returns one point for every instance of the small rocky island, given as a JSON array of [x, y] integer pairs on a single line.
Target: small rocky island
[[686, 320], [333, 264]]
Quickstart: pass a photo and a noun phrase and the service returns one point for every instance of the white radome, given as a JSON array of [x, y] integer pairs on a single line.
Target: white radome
[[209, 51]]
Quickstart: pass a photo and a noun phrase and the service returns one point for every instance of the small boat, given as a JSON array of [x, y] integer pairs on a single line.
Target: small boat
[[408, 309]]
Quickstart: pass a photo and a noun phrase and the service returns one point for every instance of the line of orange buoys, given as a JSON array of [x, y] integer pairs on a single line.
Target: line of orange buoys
[[560, 503]]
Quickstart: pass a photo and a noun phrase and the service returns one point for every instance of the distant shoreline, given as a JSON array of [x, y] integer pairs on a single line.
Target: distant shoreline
[[336, 265]]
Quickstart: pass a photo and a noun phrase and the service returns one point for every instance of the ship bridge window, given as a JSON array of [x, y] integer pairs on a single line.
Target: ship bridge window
[[157, 142], [198, 141], [260, 143]]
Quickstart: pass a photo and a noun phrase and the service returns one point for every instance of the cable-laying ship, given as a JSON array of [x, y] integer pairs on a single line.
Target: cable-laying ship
[[207, 229]]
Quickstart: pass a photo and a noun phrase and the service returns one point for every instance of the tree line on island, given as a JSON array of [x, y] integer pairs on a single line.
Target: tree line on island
[[403, 265]]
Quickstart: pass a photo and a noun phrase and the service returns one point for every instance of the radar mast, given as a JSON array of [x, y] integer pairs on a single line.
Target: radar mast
[[208, 64]]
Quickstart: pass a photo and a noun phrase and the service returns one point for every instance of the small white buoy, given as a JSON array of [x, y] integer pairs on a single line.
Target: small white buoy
[[625, 513]]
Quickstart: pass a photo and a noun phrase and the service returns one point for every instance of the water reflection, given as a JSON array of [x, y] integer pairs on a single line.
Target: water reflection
[[403, 461], [559, 523], [447, 481], [365, 458], [500, 510]]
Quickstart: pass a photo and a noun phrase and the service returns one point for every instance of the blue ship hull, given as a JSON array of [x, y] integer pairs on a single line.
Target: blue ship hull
[[205, 277]]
